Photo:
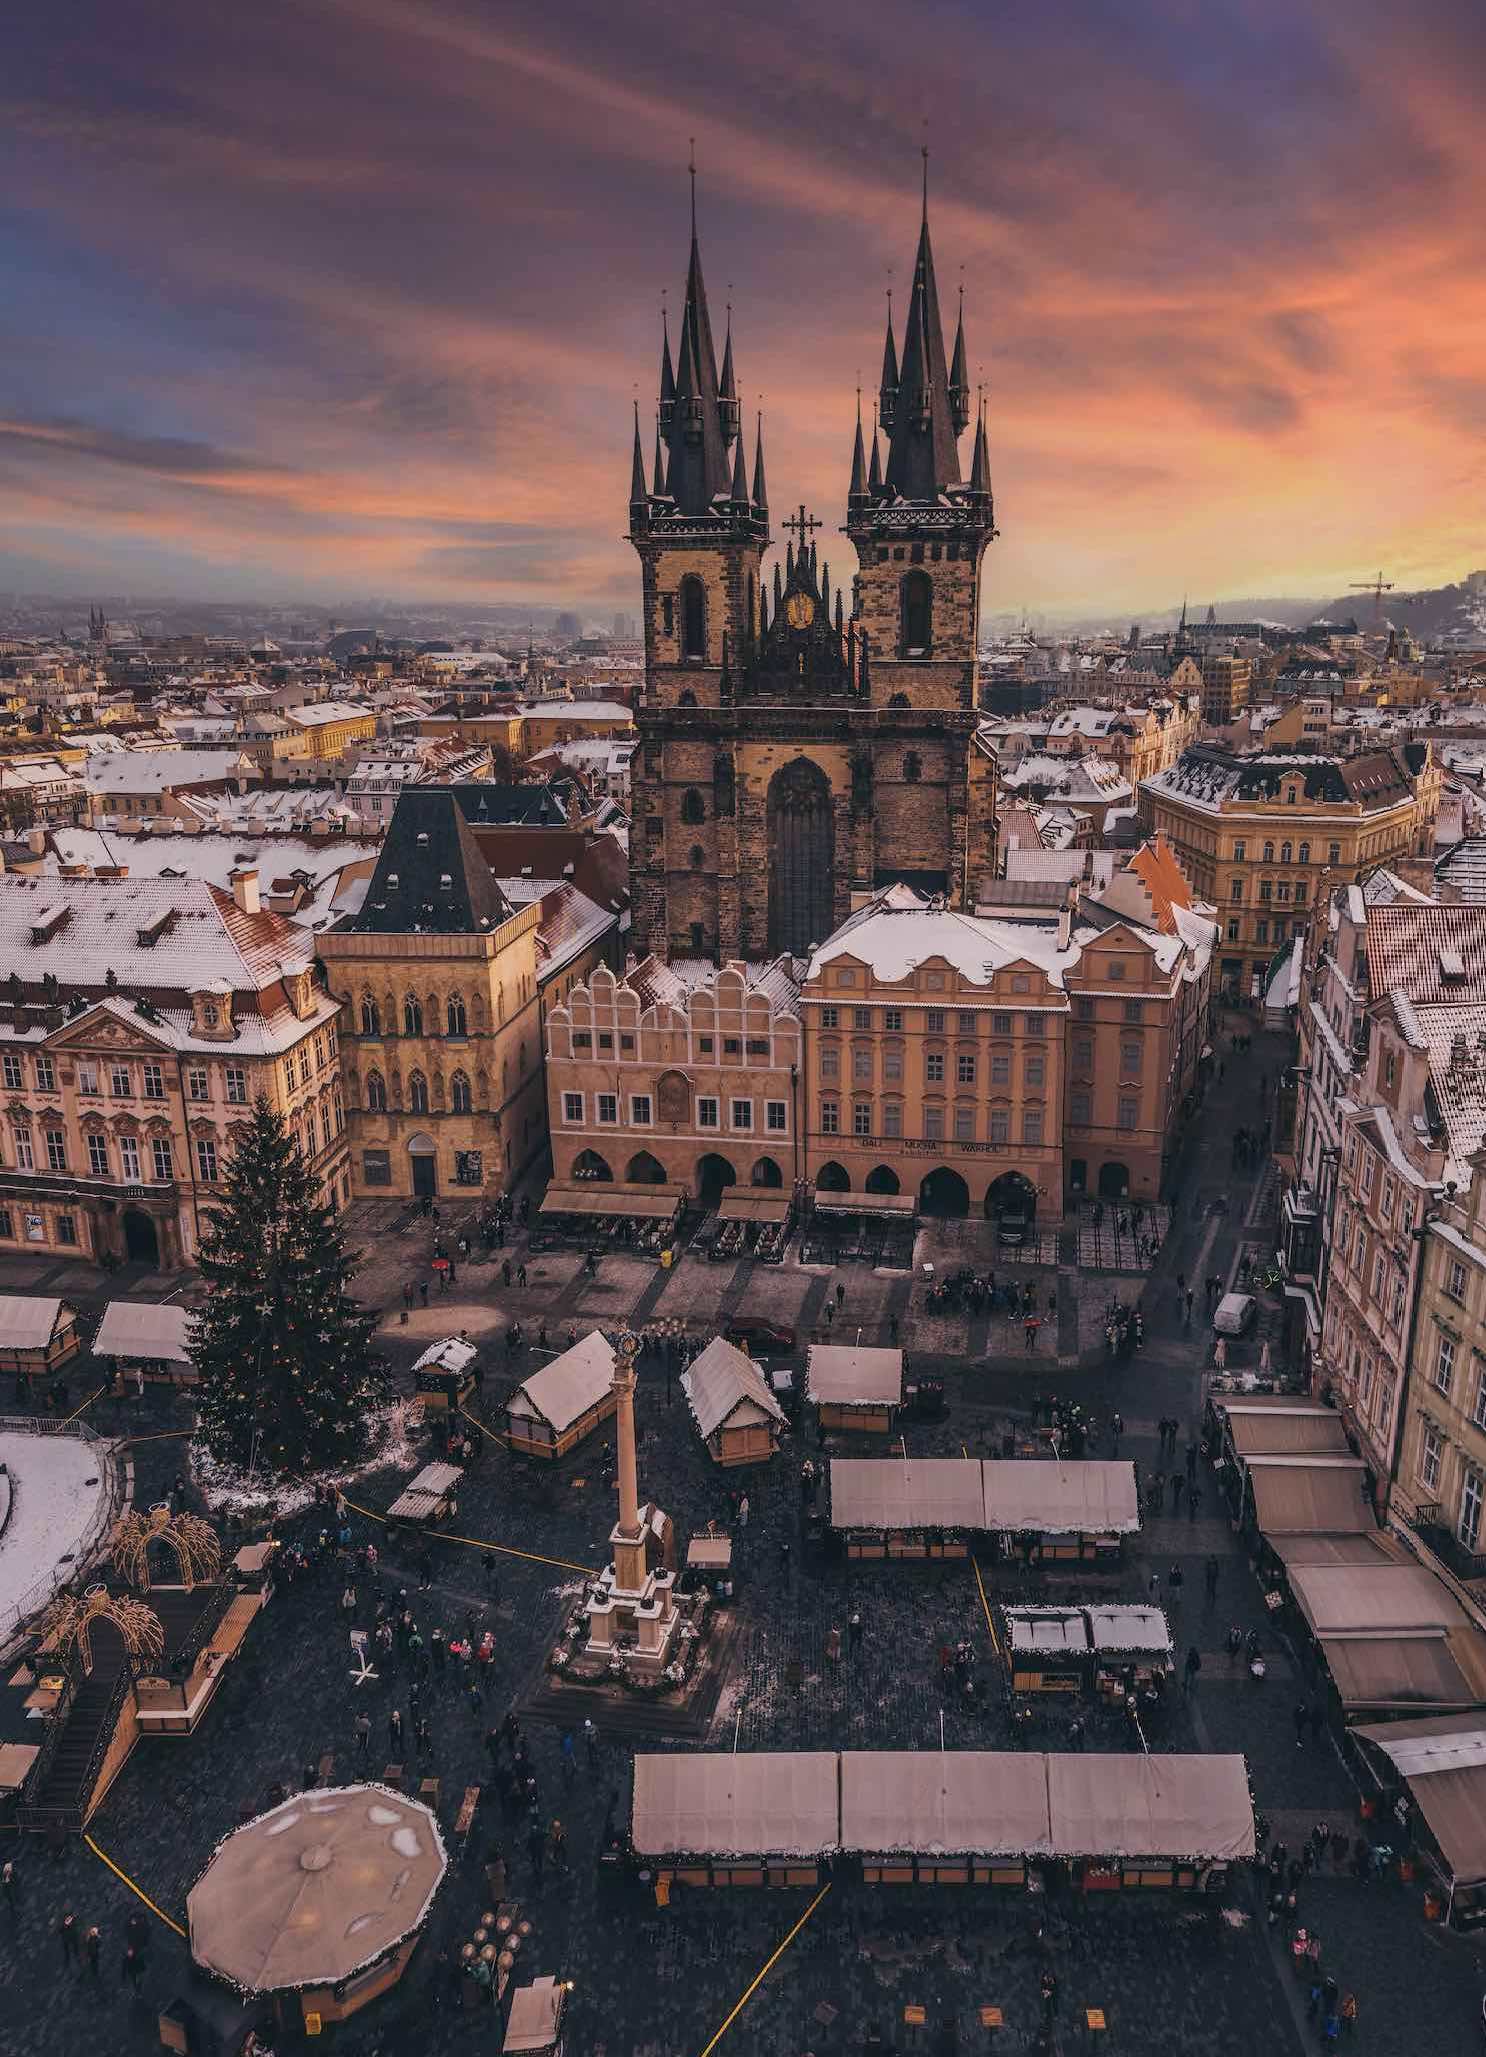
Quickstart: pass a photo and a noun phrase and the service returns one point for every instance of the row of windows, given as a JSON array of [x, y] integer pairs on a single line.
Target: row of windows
[[1302, 853], [418, 1020], [64, 1227], [322, 1056], [121, 1081], [100, 1149], [708, 1112], [732, 1046], [863, 1066], [968, 1021], [460, 1099], [1270, 890], [1472, 1486], [887, 1122]]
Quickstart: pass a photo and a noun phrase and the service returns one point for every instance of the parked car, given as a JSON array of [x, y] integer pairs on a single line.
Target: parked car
[[763, 1338], [1012, 1228], [1236, 1314]]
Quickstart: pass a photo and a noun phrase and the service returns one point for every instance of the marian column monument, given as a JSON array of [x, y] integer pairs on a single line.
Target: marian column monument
[[633, 1605]]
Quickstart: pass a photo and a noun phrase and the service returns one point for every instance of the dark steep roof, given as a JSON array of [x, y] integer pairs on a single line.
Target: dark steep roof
[[430, 876]]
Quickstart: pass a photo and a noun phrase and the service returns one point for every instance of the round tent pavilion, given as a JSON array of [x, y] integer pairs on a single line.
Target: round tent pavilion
[[322, 1897]]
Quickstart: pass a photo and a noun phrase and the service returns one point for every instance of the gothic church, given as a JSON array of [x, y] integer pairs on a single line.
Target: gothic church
[[798, 751]]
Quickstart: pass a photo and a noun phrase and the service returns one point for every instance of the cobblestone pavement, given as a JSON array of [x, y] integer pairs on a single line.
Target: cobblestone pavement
[[653, 1983]]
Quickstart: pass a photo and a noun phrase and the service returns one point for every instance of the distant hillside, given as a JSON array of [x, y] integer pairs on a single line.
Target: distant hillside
[[1444, 614]]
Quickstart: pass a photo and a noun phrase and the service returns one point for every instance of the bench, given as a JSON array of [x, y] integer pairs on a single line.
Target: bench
[[325, 1769], [428, 1793], [464, 1821], [392, 1776]]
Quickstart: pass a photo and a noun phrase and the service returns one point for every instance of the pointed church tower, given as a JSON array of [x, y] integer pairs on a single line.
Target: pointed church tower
[[920, 530], [700, 534]]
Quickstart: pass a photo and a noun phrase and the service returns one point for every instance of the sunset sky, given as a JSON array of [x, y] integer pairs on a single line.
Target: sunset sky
[[351, 297]]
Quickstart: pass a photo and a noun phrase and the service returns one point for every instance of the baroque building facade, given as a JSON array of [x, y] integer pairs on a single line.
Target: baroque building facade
[[796, 756]]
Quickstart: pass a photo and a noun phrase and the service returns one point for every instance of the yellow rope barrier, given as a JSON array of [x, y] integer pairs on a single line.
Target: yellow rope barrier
[[104, 1858], [980, 1582], [86, 1405], [754, 1985], [480, 1543]]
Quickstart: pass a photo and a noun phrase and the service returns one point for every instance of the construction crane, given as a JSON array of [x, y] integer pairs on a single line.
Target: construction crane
[[1377, 587]]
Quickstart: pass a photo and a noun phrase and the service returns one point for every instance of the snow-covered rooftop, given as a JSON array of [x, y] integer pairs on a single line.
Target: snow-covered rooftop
[[59, 1488]]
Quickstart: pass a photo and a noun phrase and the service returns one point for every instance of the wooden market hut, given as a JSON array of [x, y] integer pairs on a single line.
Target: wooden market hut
[[563, 1402], [1431, 1773], [444, 1375], [38, 1336], [1075, 1510], [736, 1415], [152, 1334], [854, 1388]]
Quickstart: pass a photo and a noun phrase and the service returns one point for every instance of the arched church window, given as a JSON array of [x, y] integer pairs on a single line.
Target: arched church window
[[371, 1024], [698, 857], [693, 806], [457, 1017], [418, 1093], [688, 698], [459, 1093], [693, 619], [918, 614], [913, 766], [376, 1093], [412, 1015]]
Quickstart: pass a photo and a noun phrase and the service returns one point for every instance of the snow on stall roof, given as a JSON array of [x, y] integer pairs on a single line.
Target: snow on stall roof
[[1083, 1496], [842, 1375], [58, 1487], [452, 1354], [562, 1391], [27, 1321], [916, 1492], [721, 1379], [144, 1328], [316, 1888], [1136, 1806]]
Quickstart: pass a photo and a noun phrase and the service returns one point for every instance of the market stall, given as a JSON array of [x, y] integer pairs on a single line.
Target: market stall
[[752, 1220], [1137, 1820], [428, 1498], [907, 1507], [150, 1335], [599, 1210], [1074, 1510], [563, 1402], [319, 1903], [1392, 1636], [937, 1817], [876, 1227], [737, 1818], [854, 1388], [38, 1336], [1299, 1495], [1110, 1650], [444, 1376], [534, 2024], [1431, 1775], [737, 1416]]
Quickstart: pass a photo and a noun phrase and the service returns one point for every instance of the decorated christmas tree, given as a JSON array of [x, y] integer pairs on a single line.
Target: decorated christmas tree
[[281, 1349]]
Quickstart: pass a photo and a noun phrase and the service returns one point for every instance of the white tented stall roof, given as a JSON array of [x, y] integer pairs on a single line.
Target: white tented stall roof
[[767, 1803], [1138, 1630], [845, 1377], [564, 1390], [1041, 1631], [1137, 1806], [27, 1321], [944, 1803], [452, 1354], [1090, 1496], [917, 1492], [721, 1380], [145, 1329]]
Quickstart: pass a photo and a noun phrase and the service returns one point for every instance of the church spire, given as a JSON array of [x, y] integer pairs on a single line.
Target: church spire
[[740, 475], [874, 474], [667, 376], [697, 435], [959, 381], [638, 496], [980, 470], [727, 392], [887, 398], [660, 467], [922, 455], [858, 487], [760, 490]]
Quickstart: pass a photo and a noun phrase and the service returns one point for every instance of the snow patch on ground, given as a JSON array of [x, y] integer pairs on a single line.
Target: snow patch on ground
[[393, 1444], [59, 1490]]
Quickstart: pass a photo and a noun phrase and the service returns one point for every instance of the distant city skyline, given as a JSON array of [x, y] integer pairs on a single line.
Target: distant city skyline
[[354, 302]]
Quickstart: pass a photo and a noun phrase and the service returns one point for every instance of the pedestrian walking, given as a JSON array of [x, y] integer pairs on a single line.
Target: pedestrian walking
[[92, 1948], [743, 1512], [557, 1845], [1117, 1429], [536, 1848], [840, 1294], [132, 1969], [1220, 1354], [1302, 1717], [1029, 1329], [854, 1630], [10, 1885], [67, 1936], [1174, 1582], [1191, 1668], [363, 1734], [394, 1733]]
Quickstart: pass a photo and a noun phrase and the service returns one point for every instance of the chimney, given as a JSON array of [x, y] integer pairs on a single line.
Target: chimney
[[36, 841], [1065, 928], [245, 889]]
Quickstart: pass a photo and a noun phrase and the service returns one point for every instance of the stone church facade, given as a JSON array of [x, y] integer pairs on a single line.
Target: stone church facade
[[800, 749]]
